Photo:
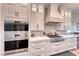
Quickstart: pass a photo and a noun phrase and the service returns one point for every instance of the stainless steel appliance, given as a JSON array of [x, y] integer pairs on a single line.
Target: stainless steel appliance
[[55, 37], [15, 36]]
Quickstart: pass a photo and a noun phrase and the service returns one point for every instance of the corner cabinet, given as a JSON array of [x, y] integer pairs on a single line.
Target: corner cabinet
[[37, 20]]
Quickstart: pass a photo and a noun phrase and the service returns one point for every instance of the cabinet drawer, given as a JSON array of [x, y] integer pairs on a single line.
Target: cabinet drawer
[[36, 47], [39, 44]]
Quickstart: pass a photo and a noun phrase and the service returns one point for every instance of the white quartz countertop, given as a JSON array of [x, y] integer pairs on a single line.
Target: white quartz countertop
[[67, 36], [37, 38]]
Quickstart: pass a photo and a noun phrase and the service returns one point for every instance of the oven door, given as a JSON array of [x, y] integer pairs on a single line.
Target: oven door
[[8, 26], [12, 47], [19, 26]]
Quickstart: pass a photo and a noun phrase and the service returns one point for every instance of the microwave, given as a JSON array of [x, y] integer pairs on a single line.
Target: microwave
[[15, 26]]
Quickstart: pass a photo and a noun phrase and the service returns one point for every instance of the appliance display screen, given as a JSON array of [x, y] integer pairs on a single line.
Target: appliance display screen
[[16, 26], [9, 27]]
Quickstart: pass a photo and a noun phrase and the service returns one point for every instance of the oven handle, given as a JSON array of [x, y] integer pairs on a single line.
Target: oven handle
[[16, 35]]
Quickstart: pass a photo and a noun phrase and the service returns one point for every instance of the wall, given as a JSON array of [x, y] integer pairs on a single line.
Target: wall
[[1, 33]]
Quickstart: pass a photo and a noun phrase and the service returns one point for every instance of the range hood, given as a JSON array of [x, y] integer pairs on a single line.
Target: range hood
[[54, 14]]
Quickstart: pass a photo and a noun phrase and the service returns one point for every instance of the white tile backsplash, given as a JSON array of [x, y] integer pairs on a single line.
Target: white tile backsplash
[[50, 29]]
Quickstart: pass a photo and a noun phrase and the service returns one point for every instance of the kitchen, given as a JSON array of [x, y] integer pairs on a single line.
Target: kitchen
[[37, 29]]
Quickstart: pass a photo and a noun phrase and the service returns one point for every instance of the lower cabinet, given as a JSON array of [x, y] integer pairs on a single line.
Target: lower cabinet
[[39, 48], [45, 48]]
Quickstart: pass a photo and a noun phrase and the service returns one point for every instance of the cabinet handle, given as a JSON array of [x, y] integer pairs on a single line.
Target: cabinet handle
[[16, 13]]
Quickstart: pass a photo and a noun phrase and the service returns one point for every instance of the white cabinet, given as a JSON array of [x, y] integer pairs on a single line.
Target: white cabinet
[[15, 11], [71, 43], [37, 20], [40, 21], [33, 21], [8, 10], [21, 11], [68, 44], [38, 48]]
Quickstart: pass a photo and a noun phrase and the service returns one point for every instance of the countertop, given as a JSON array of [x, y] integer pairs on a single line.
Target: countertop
[[68, 36], [37, 38]]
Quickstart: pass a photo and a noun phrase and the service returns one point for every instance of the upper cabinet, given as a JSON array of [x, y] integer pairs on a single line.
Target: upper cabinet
[[17, 11], [21, 11], [8, 10], [37, 17]]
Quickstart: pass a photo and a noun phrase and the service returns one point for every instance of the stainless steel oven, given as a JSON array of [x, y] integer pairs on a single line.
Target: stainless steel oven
[[15, 25], [15, 36]]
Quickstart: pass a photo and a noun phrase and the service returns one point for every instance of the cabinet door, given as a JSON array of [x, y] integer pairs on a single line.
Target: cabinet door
[[9, 10], [22, 12], [33, 21], [37, 21], [40, 21]]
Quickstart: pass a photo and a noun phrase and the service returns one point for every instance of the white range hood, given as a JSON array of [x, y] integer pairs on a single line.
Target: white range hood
[[54, 14]]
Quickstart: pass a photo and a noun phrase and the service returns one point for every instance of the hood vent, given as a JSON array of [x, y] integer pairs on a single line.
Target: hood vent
[[54, 14]]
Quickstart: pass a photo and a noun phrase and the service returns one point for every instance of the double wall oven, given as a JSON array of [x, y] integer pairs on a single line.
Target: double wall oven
[[16, 36]]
